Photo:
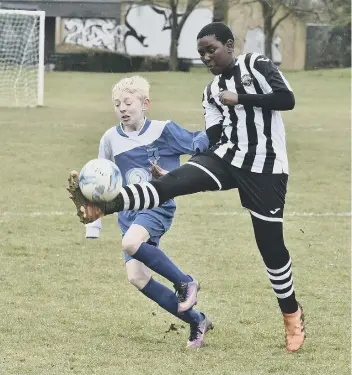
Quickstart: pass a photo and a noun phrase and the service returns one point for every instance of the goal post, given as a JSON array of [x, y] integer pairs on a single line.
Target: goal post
[[22, 34]]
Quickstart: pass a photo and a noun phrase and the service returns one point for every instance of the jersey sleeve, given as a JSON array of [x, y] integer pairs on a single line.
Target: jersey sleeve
[[105, 151], [269, 77], [200, 142], [212, 116], [183, 141]]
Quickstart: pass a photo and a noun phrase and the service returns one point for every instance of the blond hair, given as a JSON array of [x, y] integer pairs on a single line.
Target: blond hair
[[134, 84]]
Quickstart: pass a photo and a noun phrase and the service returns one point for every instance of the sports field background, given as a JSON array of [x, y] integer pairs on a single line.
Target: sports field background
[[65, 304]]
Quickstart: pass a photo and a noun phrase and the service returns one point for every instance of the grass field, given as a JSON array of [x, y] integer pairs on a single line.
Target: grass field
[[65, 304]]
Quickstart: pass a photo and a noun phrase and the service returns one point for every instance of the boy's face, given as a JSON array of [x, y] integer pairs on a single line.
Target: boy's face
[[130, 107], [215, 55]]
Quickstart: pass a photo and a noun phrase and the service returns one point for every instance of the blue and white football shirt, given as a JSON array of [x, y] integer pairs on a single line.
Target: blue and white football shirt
[[161, 141]]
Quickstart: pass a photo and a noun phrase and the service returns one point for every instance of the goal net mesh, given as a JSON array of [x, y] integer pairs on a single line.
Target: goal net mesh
[[19, 59]]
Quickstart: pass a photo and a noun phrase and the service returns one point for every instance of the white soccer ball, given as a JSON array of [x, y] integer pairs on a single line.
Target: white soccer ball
[[100, 180]]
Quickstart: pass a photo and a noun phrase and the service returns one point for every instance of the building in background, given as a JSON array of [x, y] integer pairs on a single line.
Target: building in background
[[144, 30], [289, 41]]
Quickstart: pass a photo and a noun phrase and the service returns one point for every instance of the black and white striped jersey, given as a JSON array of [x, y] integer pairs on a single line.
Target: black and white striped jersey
[[252, 138]]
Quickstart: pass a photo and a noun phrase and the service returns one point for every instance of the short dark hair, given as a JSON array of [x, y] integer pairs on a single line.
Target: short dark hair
[[221, 32]]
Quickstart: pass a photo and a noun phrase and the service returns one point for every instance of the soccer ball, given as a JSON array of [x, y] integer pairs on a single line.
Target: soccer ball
[[100, 180]]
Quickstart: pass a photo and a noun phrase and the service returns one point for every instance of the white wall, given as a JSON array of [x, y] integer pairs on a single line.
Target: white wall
[[146, 32]]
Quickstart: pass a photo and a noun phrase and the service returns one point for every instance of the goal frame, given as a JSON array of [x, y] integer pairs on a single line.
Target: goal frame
[[41, 15]]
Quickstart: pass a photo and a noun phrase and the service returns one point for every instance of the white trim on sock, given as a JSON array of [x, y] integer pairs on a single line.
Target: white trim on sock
[[282, 269], [284, 295], [146, 195], [126, 199], [154, 192], [137, 201]]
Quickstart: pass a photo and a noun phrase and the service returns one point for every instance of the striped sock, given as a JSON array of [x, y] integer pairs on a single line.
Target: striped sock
[[282, 284]]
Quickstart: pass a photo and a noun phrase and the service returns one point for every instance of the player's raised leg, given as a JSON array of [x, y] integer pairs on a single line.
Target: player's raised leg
[[188, 179]]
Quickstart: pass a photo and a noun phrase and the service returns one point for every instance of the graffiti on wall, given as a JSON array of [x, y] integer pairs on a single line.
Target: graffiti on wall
[[254, 42], [146, 32], [94, 33]]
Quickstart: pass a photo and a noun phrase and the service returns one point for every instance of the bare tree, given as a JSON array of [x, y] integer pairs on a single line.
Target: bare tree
[[274, 12], [177, 22], [177, 13], [220, 10]]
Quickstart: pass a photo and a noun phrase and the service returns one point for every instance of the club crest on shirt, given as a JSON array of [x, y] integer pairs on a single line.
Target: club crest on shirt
[[137, 175], [153, 154], [246, 80]]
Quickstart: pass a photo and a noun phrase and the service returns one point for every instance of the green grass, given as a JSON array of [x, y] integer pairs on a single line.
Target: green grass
[[66, 306]]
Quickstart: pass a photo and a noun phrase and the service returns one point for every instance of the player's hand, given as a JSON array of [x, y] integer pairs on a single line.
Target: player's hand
[[90, 213], [228, 98], [157, 171]]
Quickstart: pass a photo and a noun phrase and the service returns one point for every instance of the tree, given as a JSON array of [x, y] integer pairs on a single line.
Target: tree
[[177, 14], [269, 11], [220, 10], [337, 11], [274, 12], [177, 22]]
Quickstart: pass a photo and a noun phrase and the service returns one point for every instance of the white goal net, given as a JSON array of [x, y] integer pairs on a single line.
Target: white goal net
[[21, 58]]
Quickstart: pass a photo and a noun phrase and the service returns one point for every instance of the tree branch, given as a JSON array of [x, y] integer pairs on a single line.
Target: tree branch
[[248, 2], [276, 24], [191, 4], [275, 10]]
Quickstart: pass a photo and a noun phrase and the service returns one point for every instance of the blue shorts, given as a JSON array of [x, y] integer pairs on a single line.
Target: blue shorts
[[156, 221]]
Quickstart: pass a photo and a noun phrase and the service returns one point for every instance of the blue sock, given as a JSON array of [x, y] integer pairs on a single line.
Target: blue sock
[[167, 299], [158, 261]]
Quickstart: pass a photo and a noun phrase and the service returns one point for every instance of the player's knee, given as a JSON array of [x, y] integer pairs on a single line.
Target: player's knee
[[130, 245], [138, 279]]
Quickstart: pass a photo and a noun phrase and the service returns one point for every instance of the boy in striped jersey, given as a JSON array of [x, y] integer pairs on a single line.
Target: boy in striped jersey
[[248, 153]]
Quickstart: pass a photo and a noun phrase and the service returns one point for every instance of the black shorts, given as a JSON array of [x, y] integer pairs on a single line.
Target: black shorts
[[263, 194]]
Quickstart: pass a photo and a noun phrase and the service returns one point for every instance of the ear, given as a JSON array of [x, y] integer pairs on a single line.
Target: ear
[[146, 104], [230, 45]]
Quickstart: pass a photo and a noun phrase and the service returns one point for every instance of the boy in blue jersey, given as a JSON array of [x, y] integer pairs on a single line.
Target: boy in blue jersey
[[133, 145]]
